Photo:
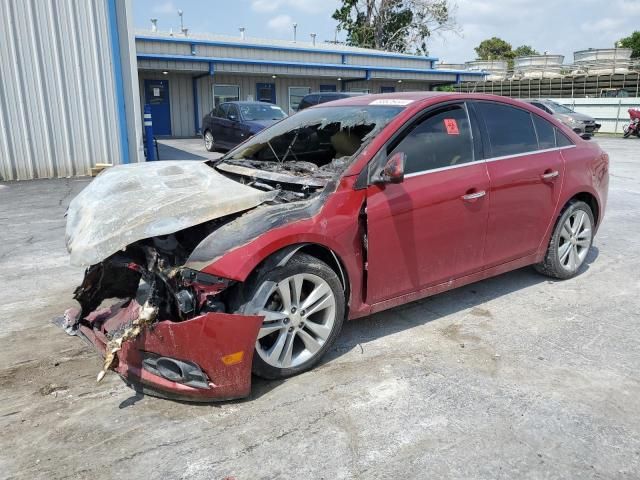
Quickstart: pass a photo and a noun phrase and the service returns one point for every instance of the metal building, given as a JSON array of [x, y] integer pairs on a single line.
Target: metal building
[[183, 78], [69, 93]]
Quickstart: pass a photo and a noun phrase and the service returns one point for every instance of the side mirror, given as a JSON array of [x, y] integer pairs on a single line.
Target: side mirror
[[393, 171], [233, 118]]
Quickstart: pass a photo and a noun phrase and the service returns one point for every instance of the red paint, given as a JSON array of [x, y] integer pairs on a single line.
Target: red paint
[[204, 340], [423, 238]]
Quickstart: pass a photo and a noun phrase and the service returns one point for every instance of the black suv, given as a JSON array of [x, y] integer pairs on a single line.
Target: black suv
[[322, 97]]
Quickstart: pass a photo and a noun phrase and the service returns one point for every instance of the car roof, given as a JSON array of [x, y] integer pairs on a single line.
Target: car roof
[[244, 102], [342, 94]]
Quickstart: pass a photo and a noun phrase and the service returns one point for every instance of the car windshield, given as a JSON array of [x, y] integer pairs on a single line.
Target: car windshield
[[258, 111], [557, 108], [316, 137]]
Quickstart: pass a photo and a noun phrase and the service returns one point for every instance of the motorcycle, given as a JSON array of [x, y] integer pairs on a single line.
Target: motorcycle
[[633, 128]]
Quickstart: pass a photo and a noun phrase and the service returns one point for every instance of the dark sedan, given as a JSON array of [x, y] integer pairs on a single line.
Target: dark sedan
[[231, 123]]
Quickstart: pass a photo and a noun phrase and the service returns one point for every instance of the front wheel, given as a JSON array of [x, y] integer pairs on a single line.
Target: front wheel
[[303, 305], [627, 132], [209, 142], [570, 242]]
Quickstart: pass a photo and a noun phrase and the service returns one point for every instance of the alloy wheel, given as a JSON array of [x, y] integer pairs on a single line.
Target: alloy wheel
[[300, 314], [208, 140], [575, 240]]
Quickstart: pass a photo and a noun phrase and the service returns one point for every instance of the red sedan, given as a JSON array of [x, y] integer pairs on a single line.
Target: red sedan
[[200, 273]]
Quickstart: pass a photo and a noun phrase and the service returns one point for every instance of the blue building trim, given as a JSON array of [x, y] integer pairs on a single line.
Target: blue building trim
[[112, 21], [278, 63], [239, 44]]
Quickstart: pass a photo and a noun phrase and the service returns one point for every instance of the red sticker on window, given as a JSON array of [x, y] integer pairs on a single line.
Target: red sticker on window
[[452, 126]]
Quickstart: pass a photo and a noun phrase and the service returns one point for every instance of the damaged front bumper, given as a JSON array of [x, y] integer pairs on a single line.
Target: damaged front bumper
[[205, 358]]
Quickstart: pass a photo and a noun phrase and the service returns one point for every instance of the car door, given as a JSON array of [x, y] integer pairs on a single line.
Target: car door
[[236, 128], [220, 125], [430, 228], [526, 179]]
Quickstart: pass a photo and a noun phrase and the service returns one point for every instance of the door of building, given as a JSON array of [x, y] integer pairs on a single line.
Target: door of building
[[157, 95]]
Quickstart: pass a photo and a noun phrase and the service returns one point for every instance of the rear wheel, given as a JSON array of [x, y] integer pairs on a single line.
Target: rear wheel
[[627, 132], [570, 242], [303, 306], [209, 142]]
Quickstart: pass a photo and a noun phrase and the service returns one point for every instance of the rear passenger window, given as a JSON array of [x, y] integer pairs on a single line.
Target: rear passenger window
[[545, 131], [510, 129], [562, 140], [442, 139]]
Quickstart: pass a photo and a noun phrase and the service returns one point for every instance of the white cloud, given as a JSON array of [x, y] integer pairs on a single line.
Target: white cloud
[[546, 25], [165, 8], [280, 23]]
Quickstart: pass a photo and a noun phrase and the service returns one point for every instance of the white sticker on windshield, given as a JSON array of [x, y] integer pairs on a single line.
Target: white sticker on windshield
[[273, 107], [391, 101]]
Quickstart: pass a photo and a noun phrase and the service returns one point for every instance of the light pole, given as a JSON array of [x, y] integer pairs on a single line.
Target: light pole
[[295, 31], [180, 12]]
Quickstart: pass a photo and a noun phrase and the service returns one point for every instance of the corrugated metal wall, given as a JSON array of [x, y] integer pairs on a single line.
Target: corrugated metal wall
[[181, 92], [58, 106]]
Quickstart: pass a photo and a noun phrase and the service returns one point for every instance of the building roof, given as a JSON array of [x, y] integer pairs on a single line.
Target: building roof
[[303, 46]]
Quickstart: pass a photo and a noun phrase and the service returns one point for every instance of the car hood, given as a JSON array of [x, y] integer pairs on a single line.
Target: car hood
[[581, 117], [127, 203], [257, 125]]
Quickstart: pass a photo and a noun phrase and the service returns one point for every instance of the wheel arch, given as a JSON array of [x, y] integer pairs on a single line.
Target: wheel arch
[[590, 200], [323, 253]]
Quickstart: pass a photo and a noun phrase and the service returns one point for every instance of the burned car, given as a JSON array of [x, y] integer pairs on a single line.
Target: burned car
[[200, 273]]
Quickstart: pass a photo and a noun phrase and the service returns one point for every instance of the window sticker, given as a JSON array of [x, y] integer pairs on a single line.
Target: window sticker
[[452, 126], [391, 101]]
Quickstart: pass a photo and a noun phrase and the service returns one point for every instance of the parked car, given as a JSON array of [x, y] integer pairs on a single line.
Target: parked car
[[582, 124], [323, 97], [231, 123], [252, 262]]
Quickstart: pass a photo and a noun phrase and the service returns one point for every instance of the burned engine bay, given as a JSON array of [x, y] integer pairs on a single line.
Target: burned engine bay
[[141, 254]]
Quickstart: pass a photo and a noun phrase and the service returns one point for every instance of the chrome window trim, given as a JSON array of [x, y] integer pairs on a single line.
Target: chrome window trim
[[493, 159]]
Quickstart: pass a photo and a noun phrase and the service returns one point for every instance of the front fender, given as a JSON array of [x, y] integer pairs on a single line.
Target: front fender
[[329, 220]]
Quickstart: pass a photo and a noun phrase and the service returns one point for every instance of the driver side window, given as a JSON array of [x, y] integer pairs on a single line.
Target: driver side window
[[233, 112], [441, 139]]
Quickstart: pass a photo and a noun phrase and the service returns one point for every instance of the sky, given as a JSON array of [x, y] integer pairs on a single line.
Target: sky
[[555, 26]]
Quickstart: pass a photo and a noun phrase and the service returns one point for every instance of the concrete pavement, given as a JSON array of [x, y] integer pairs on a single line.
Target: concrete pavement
[[514, 377]]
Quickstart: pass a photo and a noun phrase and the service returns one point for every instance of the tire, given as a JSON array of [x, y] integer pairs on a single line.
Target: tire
[[209, 141], [570, 243], [627, 133], [292, 339]]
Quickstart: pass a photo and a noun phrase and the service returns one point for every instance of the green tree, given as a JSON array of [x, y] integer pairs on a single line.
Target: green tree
[[494, 48], [632, 42], [525, 51], [394, 25]]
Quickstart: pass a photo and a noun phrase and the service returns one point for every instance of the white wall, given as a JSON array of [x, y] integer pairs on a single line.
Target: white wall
[[611, 113], [64, 104]]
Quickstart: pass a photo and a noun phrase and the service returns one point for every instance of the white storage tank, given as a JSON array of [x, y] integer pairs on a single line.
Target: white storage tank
[[603, 61], [497, 69], [538, 66], [450, 66]]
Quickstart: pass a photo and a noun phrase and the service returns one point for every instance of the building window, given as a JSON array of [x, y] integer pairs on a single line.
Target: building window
[[385, 89], [359, 90], [327, 88], [225, 93], [295, 96]]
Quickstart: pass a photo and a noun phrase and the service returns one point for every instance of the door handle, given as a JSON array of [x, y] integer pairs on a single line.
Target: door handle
[[468, 197], [548, 175]]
